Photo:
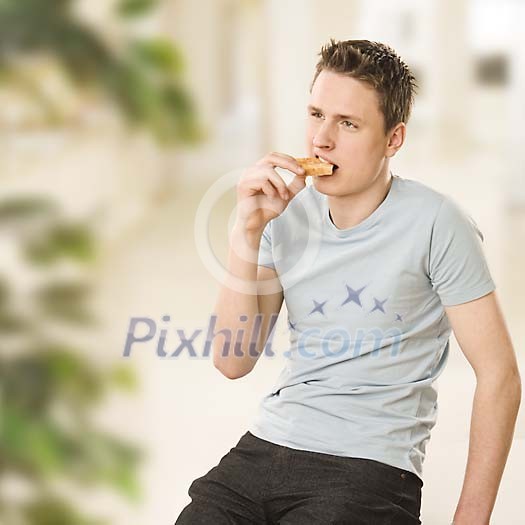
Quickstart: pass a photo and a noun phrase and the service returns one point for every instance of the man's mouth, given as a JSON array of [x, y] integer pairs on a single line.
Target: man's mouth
[[327, 162]]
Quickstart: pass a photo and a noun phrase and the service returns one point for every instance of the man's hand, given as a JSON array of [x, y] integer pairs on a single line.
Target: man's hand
[[263, 195]]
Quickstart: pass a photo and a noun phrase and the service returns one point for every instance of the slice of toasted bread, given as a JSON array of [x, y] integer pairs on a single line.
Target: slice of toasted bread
[[315, 167]]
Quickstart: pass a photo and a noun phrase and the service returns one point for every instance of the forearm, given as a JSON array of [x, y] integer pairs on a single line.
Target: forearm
[[495, 407], [238, 297]]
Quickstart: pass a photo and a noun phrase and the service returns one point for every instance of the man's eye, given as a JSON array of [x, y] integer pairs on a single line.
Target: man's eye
[[315, 114], [348, 122]]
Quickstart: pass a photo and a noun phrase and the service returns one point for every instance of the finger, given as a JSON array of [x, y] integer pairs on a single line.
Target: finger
[[281, 160], [256, 180], [266, 173], [278, 182], [298, 183], [269, 189]]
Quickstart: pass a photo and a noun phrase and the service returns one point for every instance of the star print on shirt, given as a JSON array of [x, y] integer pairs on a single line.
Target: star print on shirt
[[318, 307], [379, 305], [291, 325], [399, 318], [353, 296]]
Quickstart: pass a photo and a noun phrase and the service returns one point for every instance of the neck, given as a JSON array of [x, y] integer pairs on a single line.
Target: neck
[[349, 210]]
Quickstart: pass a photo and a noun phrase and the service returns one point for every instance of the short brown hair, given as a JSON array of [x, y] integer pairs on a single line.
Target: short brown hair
[[379, 66]]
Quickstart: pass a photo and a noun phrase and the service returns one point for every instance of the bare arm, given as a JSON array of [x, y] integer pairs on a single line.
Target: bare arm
[[233, 304], [251, 297], [481, 333]]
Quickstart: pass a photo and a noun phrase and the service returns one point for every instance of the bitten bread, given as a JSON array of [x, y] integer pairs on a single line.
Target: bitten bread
[[315, 167]]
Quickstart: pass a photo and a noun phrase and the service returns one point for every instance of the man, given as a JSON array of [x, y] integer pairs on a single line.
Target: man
[[376, 271]]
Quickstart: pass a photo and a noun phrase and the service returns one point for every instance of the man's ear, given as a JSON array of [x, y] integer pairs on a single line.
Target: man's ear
[[396, 137]]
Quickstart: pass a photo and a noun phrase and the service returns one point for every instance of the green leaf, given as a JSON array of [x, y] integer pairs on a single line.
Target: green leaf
[[102, 458], [4, 293], [26, 207], [158, 55], [51, 509], [130, 8], [73, 241], [12, 324], [31, 444], [123, 376], [65, 301], [50, 374]]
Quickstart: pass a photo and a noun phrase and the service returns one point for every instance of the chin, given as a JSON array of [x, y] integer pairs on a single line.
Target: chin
[[333, 187], [327, 188], [327, 181]]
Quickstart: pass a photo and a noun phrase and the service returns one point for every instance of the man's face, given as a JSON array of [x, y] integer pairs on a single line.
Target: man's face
[[346, 127]]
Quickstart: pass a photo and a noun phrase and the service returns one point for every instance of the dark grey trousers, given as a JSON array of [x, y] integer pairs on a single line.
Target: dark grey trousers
[[258, 482]]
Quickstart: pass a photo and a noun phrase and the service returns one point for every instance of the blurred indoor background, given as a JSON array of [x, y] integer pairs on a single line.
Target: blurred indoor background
[[116, 118]]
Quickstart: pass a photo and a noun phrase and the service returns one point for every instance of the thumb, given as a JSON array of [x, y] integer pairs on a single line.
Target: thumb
[[297, 184]]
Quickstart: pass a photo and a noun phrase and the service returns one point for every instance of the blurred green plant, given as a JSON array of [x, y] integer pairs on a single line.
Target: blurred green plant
[[48, 386], [135, 7], [143, 76]]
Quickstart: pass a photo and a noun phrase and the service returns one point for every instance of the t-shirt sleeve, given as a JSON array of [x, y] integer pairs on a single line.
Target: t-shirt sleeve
[[458, 269], [265, 248]]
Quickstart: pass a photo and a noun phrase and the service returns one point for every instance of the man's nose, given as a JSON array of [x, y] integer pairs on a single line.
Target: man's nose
[[323, 138]]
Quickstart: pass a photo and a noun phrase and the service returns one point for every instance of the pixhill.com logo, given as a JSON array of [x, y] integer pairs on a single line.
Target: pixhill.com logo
[[308, 344]]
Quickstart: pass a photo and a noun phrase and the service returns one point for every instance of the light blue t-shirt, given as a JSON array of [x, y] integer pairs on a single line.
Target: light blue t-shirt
[[368, 332]]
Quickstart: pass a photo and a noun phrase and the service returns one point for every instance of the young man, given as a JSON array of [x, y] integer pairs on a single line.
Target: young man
[[376, 271]]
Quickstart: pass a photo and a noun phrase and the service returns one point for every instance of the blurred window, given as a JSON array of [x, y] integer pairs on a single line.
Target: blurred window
[[492, 70]]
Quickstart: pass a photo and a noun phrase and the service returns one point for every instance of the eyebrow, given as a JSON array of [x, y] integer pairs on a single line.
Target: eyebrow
[[351, 117]]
